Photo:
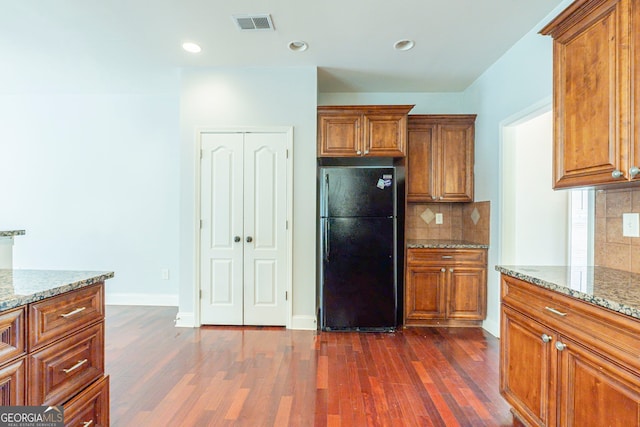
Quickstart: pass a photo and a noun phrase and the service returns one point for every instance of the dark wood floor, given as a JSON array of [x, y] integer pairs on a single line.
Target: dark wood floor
[[231, 376]]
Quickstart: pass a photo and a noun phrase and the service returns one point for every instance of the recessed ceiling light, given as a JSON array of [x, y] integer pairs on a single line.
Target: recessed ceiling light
[[191, 47], [404, 44], [298, 46]]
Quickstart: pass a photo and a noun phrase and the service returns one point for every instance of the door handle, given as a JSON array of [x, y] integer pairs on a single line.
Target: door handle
[[249, 239], [237, 239]]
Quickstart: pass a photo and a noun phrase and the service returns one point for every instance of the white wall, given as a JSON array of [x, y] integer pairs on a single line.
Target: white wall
[[539, 214], [91, 173], [425, 103], [518, 80], [253, 97]]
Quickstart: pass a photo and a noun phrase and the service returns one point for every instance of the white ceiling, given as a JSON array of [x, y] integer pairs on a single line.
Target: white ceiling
[[350, 41]]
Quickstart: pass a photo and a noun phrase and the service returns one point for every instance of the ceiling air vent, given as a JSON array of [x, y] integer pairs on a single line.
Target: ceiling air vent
[[253, 22]]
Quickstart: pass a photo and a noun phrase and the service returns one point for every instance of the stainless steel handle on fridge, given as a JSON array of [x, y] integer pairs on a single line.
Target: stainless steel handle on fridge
[[327, 249], [325, 202]]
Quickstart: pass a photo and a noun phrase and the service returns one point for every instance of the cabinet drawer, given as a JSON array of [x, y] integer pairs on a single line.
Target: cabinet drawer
[[91, 407], [12, 334], [446, 256], [63, 369], [595, 327], [61, 315]]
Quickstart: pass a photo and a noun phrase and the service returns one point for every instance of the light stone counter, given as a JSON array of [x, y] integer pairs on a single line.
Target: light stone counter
[[20, 287], [11, 233], [613, 289], [443, 244]]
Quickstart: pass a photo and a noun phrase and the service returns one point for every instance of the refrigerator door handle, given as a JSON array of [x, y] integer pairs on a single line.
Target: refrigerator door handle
[[325, 202], [327, 249]]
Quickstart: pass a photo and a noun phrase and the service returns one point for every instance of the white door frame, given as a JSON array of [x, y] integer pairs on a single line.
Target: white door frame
[[288, 131]]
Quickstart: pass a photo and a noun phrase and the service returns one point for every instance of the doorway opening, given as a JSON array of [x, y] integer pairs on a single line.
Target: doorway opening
[[540, 226]]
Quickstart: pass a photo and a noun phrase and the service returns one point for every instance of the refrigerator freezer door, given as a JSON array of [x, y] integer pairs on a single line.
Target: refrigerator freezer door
[[357, 192], [358, 288]]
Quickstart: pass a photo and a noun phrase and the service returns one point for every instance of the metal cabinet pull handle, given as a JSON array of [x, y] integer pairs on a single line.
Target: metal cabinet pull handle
[[634, 171], [71, 313], [545, 338], [560, 346], [443, 270], [76, 366], [249, 239], [451, 270], [616, 174], [554, 311], [358, 152], [447, 256], [237, 239]]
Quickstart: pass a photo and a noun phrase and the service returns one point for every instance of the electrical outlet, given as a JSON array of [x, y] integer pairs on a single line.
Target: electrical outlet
[[164, 273], [631, 224], [439, 218]]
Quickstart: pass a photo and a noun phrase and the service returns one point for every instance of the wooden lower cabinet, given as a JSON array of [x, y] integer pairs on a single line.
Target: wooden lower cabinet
[[566, 369], [445, 287], [89, 408], [52, 353], [12, 383]]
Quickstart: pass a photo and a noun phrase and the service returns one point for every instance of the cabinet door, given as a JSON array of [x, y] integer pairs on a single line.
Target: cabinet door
[[466, 297], [385, 135], [455, 168], [339, 135], [425, 291], [594, 392], [527, 374], [421, 163], [591, 96], [12, 383]]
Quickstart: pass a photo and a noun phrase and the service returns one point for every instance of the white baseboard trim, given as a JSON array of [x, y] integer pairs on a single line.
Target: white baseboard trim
[[185, 320], [304, 323], [492, 327], [166, 300]]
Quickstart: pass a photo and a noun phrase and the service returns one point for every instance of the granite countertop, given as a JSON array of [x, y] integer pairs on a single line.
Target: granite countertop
[[20, 287], [443, 244], [613, 289], [11, 233]]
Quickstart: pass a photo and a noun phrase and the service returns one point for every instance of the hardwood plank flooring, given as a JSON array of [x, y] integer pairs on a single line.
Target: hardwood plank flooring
[[263, 376]]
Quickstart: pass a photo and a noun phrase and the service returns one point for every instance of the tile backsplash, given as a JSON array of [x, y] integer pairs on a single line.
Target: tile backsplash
[[611, 248], [461, 221]]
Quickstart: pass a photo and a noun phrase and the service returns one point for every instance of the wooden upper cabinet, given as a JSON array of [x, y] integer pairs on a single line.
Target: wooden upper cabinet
[[440, 158], [362, 130], [594, 138]]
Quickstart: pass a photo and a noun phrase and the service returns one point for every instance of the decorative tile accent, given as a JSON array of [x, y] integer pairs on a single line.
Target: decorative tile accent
[[427, 216], [475, 216]]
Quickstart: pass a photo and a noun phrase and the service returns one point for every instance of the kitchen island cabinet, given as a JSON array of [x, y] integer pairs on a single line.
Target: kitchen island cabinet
[[596, 60], [569, 353], [445, 286], [52, 342], [362, 130]]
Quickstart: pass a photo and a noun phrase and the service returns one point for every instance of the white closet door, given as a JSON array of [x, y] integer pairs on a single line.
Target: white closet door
[[265, 216], [221, 211], [244, 229]]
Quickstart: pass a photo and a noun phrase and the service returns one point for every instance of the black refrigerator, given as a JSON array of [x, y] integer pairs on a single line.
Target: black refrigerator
[[357, 248]]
